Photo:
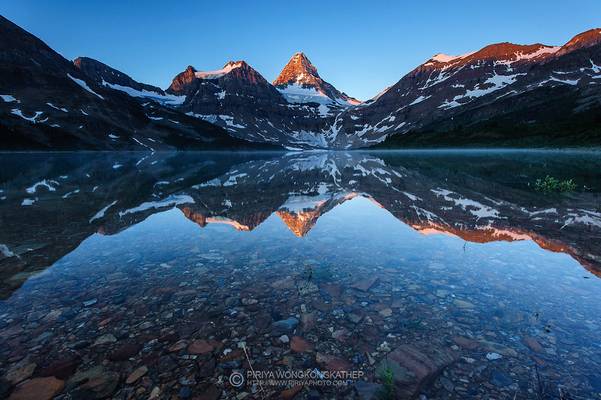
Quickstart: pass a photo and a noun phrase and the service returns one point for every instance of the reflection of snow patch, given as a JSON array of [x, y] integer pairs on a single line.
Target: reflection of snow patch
[[5, 251], [298, 204], [170, 201], [100, 213], [8, 98], [233, 180], [48, 184], [475, 208], [70, 193], [590, 218]]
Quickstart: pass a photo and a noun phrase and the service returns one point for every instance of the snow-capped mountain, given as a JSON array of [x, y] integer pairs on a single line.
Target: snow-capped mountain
[[239, 99], [500, 89], [501, 95], [299, 82], [479, 98], [48, 103]]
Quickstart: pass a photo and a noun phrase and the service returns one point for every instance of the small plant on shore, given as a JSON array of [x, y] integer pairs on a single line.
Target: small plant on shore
[[387, 392], [549, 184]]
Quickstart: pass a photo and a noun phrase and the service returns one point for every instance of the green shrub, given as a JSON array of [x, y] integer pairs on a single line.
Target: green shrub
[[387, 392], [550, 184]]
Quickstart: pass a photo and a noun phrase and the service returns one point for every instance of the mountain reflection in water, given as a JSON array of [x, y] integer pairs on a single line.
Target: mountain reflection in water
[[407, 243]]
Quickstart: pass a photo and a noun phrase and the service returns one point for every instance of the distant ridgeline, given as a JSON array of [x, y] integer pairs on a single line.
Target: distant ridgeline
[[501, 95]]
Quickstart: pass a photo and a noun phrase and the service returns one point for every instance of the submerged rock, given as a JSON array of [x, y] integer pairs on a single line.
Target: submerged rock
[[21, 371], [368, 390], [300, 345], [365, 285], [283, 326], [200, 347], [533, 344], [500, 379], [38, 389], [125, 351], [413, 369], [62, 368], [136, 374], [333, 363], [104, 339]]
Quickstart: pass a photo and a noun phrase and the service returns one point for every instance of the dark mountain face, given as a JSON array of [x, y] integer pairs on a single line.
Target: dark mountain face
[[49, 103], [504, 94], [113, 78]]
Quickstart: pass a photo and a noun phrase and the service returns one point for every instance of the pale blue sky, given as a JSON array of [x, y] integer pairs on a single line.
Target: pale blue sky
[[359, 46]]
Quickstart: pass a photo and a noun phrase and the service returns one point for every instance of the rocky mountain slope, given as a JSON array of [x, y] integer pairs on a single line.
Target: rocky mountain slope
[[504, 94], [47, 102], [106, 76], [239, 99]]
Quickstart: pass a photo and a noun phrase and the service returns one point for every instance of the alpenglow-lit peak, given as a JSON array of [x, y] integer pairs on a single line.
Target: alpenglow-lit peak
[[300, 82], [298, 70]]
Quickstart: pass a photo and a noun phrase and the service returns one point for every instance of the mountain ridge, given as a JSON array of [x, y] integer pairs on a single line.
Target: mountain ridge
[[48, 103], [478, 98]]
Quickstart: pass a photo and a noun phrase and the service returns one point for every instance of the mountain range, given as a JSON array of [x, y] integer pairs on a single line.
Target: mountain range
[[501, 95]]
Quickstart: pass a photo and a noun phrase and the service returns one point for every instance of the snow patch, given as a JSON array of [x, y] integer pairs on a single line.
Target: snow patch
[[445, 58], [296, 93], [84, 86], [19, 113], [169, 99], [419, 100], [219, 72], [58, 108]]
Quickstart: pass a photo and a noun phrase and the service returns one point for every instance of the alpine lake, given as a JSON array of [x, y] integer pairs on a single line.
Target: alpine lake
[[308, 275]]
